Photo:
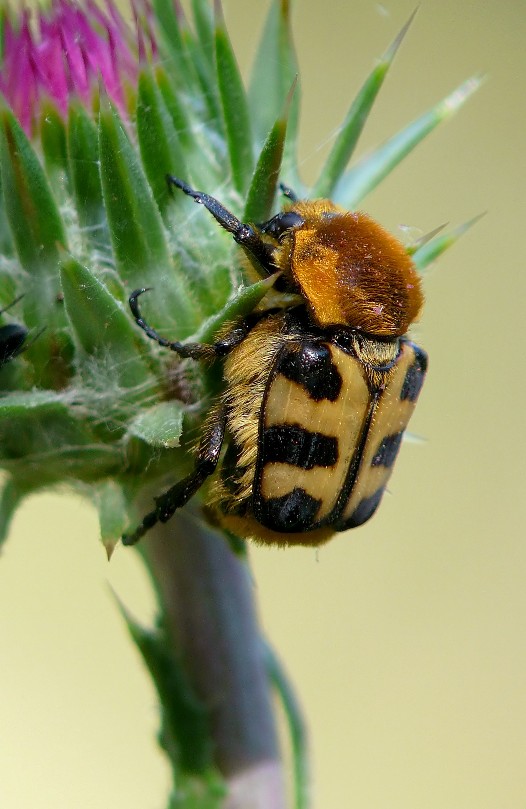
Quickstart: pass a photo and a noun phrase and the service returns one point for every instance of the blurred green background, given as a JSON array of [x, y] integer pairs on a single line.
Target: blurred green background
[[406, 638]]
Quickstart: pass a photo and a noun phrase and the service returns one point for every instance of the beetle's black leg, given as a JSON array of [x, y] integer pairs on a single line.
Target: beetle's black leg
[[244, 234], [236, 335], [176, 497], [288, 192], [195, 351]]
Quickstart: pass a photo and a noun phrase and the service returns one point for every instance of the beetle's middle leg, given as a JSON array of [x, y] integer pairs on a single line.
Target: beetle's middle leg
[[176, 497]]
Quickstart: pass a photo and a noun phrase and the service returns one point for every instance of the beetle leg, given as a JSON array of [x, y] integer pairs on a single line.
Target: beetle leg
[[236, 335], [167, 504], [195, 351]]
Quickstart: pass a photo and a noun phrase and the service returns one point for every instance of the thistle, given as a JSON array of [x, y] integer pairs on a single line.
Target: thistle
[[95, 113]]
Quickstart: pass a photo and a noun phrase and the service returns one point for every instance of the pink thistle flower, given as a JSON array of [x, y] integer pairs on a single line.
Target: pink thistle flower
[[64, 51]]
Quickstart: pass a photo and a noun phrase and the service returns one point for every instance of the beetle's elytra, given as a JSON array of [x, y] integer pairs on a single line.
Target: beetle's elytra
[[317, 393]]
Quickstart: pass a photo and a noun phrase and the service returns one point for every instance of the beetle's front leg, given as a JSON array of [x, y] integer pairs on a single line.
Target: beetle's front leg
[[176, 497]]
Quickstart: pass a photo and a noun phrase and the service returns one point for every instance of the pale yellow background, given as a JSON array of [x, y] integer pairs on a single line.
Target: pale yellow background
[[407, 637]]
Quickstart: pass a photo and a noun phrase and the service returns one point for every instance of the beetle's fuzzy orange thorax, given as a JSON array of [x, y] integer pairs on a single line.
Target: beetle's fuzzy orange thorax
[[351, 271]]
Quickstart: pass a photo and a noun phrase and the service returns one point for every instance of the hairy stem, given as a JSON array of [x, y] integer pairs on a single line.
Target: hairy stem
[[205, 592]]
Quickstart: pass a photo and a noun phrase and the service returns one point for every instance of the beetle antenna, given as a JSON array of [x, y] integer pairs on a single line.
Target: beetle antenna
[[245, 235]]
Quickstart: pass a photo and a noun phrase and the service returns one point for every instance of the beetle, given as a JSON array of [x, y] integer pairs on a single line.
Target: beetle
[[317, 391], [12, 338]]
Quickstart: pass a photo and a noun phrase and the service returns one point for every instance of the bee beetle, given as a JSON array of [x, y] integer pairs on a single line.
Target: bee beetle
[[317, 393]]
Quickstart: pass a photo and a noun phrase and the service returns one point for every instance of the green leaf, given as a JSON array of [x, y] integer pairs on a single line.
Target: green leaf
[[135, 225], [262, 189], [204, 25], [102, 327], [6, 240], [355, 120], [161, 152], [10, 499], [372, 169], [160, 425], [170, 22], [136, 230], [203, 155], [202, 52], [207, 96], [112, 508], [83, 156], [243, 302], [296, 726], [185, 734], [43, 440], [274, 72], [235, 108], [34, 220], [53, 141], [415, 245], [37, 230], [177, 107], [434, 248]]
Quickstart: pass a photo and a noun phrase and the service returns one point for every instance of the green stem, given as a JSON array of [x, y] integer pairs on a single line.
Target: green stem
[[205, 593]]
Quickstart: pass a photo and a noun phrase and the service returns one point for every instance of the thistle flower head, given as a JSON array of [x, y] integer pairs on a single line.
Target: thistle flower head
[[96, 112], [62, 52]]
